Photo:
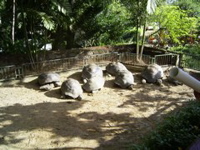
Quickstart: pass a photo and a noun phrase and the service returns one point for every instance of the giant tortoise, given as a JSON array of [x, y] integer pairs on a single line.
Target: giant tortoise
[[94, 84], [124, 79], [48, 80], [91, 70], [115, 67], [71, 88], [152, 73]]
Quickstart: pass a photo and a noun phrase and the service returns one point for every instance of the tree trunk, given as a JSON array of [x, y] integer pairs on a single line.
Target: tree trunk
[[31, 59], [13, 24], [70, 39], [137, 36], [143, 40], [58, 43], [137, 41]]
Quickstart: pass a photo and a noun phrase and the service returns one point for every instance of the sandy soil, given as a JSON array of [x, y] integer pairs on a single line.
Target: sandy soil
[[110, 119]]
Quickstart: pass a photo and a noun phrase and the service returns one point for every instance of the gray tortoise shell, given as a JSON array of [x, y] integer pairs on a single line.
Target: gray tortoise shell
[[115, 67], [71, 88], [46, 78], [124, 79], [152, 73], [91, 70]]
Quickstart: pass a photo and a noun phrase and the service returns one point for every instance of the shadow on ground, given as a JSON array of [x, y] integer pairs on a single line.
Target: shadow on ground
[[122, 129], [76, 76], [54, 93], [57, 119]]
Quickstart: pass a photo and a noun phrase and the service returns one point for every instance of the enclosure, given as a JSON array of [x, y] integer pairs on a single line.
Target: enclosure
[[79, 61], [112, 118]]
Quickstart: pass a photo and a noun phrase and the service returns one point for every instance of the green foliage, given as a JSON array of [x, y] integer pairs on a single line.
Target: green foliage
[[2, 5], [178, 131], [114, 21], [62, 7], [46, 20], [188, 49], [78, 23], [190, 56], [193, 6], [175, 21], [138, 10]]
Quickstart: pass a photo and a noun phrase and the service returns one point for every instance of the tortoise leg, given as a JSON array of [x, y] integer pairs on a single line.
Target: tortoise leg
[[79, 98], [144, 81], [159, 82], [62, 96], [85, 80], [91, 93], [57, 84], [130, 87], [43, 87], [95, 91], [47, 87], [51, 86]]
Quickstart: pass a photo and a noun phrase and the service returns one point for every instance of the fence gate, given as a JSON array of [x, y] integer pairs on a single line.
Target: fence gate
[[11, 72], [166, 59]]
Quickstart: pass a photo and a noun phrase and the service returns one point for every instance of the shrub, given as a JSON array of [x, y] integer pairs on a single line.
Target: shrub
[[176, 132]]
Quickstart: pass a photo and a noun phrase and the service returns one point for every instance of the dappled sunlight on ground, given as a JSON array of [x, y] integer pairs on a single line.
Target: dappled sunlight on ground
[[112, 118]]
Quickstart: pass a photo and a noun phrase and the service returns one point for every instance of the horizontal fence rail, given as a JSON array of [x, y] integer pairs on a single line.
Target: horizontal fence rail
[[65, 64], [73, 63], [57, 65], [131, 58]]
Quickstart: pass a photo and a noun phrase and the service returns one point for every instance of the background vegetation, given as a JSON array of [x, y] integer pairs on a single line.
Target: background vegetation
[[26, 26]]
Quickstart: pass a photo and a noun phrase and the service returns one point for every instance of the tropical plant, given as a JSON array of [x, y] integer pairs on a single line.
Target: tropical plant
[[113, 22], [175, 21], [192, 6], [150, 9], [31, 24], [140, 10]]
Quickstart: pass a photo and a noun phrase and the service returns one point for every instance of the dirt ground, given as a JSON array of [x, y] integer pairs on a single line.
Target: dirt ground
[[110, 119]]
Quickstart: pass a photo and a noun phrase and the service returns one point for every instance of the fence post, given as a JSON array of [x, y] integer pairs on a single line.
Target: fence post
[[85, 62], [19, 72], [119, 57], [177, 60], [180, 60], [153, 60]]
